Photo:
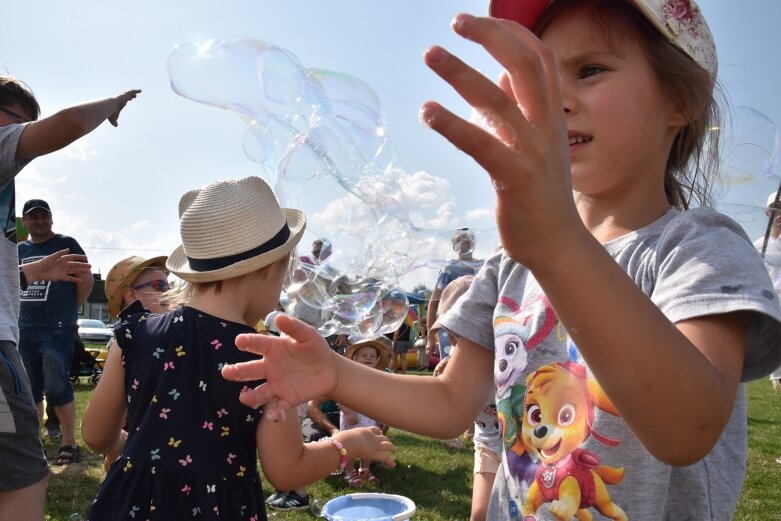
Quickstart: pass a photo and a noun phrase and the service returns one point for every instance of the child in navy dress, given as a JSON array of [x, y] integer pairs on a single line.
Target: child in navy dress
[[191, 446]]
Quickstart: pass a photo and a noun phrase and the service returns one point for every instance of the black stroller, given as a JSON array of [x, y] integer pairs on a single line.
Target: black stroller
[[86, 363]]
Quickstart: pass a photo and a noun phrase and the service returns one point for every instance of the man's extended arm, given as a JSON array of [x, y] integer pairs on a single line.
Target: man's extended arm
[[66, 126]]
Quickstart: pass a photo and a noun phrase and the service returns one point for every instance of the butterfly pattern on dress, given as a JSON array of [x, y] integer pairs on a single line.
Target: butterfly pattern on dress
[[186, 427]]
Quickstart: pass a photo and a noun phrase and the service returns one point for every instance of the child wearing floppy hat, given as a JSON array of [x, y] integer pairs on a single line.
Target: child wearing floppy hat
[[373, 351], [598, 143], [191, 445], [137, 279]]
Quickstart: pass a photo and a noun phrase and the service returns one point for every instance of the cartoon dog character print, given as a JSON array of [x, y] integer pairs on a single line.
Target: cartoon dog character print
[[515, 334], [517, 329], [559, 415]]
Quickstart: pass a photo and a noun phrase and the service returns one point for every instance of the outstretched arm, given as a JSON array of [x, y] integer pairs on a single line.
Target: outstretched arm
[[299, 366], [59, 266], [66, 126]]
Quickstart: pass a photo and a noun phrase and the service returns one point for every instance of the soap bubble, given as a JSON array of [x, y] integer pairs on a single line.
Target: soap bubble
[[320, 140]]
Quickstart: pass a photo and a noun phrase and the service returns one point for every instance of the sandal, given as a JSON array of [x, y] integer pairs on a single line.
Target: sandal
[[368, 477], [68, 454], [353, 479]]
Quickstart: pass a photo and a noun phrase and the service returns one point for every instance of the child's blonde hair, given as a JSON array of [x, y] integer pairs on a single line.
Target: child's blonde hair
[[692, 165]]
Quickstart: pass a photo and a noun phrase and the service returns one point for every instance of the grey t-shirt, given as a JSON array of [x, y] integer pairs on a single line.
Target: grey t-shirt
[[690, 264], [9, 260]]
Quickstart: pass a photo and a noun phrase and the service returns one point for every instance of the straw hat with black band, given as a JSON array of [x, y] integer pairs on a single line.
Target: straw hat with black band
[[232, 228]]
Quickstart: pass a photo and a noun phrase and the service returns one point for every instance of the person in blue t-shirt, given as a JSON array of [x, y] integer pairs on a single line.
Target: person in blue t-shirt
[[463, 241], [47, 324]]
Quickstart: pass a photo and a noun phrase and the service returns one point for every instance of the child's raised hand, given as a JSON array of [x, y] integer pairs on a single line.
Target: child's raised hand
[[297, 367], [527, 153], [368, 443]]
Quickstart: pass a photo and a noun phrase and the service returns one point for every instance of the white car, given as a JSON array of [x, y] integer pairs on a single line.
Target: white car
[[92, 331]]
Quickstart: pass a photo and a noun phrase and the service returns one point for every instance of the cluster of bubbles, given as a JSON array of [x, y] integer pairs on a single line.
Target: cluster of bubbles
[[322, 144], [321, 141]]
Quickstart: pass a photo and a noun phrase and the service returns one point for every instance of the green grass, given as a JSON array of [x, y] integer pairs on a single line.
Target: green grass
[[438, 478], [760, 498]]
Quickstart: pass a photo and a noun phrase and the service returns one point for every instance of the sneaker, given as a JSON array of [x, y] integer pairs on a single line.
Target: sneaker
[[290, 501], [275, 496], [53, 430]]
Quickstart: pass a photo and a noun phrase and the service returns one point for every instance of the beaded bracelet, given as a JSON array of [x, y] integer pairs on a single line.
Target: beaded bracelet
[[342, 453]]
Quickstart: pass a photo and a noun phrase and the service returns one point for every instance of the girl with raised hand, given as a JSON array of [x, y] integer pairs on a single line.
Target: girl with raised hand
[[617, 325], [191, 446]]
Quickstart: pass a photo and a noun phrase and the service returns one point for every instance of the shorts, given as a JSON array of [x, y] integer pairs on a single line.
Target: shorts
[[402, 346], [21, 451], [486, 460], [47, 357]]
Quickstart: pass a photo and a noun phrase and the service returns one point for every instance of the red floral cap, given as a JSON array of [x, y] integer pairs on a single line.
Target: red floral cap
[[680, 21]]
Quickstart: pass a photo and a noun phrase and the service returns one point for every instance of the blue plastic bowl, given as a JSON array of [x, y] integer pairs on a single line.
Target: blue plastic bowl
[[369, 507]]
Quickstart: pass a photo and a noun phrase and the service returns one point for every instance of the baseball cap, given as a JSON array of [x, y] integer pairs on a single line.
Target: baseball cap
[[32, 204], [681, 22]]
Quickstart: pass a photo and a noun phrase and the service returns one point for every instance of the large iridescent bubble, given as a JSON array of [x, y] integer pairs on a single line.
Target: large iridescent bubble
[[321, 142]]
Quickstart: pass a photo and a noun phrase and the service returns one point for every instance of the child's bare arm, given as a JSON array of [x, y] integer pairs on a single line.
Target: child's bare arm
[[281, 449], [66, 126], [101, 424], [300, 366]]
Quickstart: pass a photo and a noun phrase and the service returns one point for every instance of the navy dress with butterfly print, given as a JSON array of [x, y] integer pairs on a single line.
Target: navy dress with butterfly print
[[191, 448]]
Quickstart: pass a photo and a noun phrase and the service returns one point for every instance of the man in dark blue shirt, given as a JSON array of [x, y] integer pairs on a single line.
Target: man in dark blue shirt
[[47, 323]]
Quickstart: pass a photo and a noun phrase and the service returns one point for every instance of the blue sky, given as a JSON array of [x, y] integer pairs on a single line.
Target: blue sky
[[117, 190]]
